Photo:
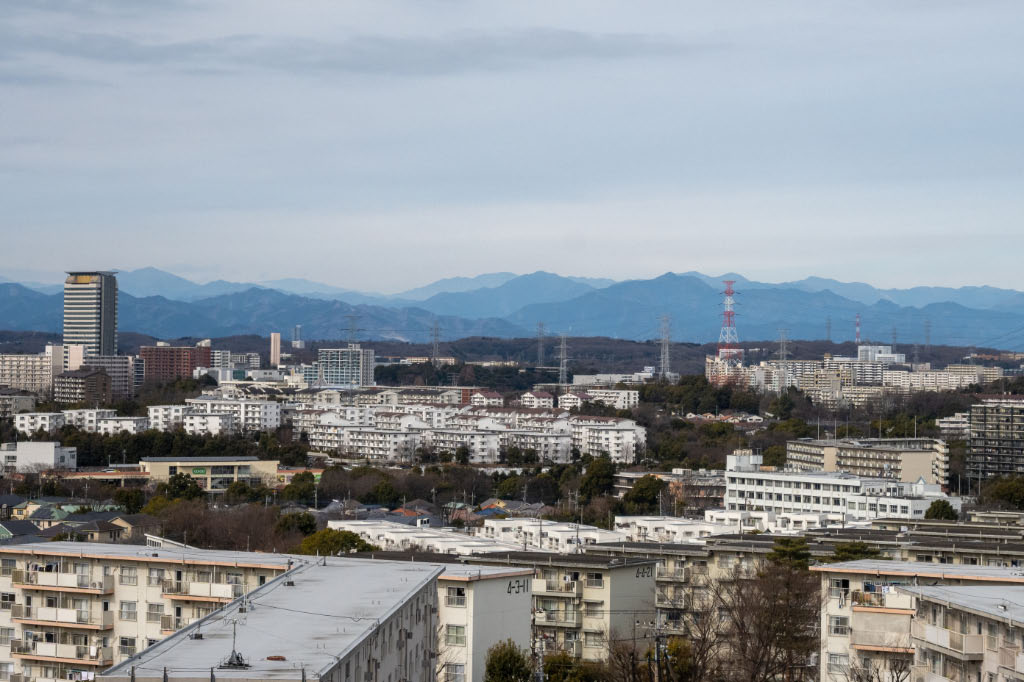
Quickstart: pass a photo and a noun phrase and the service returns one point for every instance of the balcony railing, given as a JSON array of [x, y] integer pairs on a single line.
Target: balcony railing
[[173, 623], [967, 646], [205, 590], [882, 639], [1012, 659], [885, 600], [93, 655], [63, 616], [562, 618], [558, 587], [457, 601], [64, 581], [672, 574]]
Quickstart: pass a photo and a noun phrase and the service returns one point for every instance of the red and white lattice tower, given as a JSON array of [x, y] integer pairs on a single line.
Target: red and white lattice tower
[[857, 339], [728, 339]]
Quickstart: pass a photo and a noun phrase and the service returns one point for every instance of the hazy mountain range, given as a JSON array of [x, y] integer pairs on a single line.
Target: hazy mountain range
[[507, 305]]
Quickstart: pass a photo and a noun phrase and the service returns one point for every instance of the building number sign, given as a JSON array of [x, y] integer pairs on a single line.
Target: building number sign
[[518, 586], [645, 572]]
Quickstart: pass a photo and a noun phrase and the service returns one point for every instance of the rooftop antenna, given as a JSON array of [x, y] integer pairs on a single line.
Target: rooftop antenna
[[235, 660], [540, 344], [666, 361]]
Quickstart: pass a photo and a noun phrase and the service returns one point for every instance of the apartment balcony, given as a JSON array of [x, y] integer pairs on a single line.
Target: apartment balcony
[[82, 583], [62, 617], [956, 644], [62, 653], [922, 673], [880, 640], [169, 624], [196, 591], [677, 575], [1012, 659], [881, 600], [569, 619], [558, 588]]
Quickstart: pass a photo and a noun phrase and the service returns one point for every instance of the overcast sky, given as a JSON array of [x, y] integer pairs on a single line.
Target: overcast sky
[[382, 144]]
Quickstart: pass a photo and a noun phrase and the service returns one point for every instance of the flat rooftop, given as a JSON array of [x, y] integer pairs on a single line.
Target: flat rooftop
[[334, 604], [243, 458], [100, 550], [926, 570], [995, 601]]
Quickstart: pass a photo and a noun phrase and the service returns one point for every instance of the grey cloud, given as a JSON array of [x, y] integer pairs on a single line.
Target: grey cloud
[[363, 54]]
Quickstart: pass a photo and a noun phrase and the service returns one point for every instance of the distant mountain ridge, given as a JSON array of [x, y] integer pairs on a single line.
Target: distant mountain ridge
[[514, 304]]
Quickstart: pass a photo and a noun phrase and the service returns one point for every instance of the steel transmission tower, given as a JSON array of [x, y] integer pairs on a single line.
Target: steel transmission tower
[[540, 344], [783, 356], [563, 364], [435, 356], [728, 339], [857, 322], [666, 361]]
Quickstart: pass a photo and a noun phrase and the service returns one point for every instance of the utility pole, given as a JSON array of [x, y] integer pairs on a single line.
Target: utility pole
[[666, 362]]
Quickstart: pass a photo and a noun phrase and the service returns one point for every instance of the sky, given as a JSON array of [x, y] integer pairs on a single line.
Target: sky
[[383, 144]]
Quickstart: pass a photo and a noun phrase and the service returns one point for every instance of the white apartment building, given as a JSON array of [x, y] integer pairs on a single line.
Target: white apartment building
[[547, 536], [486, 399], [620, 439], [30, 422], [398, 537], [33, 373], [583, 602], [902, 459], [121, 370], [28, 456], [250, 415], [956, 427], [967, 632], [478, 607], [308, 623], [537, 399], [840, 496], [484, 446], [209, 423], [115, 425], [87, 419], [379, 444], [166, 417], [868, 618], [350, 366], [665, 529]]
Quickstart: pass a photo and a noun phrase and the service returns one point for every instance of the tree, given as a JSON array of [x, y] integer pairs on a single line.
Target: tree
[[507, 662], [180, 487], [791, 552], [302, 488], [303, 522], [852, 551], [943, 510], [132, 499], [329, 542], [644, 496], [462, 455], [598, 480], [1005, 492]]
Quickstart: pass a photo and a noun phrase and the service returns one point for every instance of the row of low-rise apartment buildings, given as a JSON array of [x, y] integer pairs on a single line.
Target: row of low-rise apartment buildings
[[835, 380], [395, 432], [901, 459]]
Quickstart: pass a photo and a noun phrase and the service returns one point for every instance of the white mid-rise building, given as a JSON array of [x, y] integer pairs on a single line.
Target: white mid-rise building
[[841, 497], [166, 417], [250, 415], [114, 425], [398, 537], [87, 419], [30, 422], [28, 456], [667, 529], [548, 536], [209, 424]]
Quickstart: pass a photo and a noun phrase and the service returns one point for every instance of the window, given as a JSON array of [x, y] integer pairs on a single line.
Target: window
[[838, 587], [455, 672], [455, 635], [127, 611], [153, 612], [127, 646], [156, 577], [7, 566], [595, 580], [592, 610], [6, 635], [839, 625], [838, 663], [129, 576], [593, 639], [6, 600], [456, 596]]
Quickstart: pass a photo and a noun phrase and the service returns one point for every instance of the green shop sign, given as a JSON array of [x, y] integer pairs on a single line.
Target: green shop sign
[[199, 471]]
